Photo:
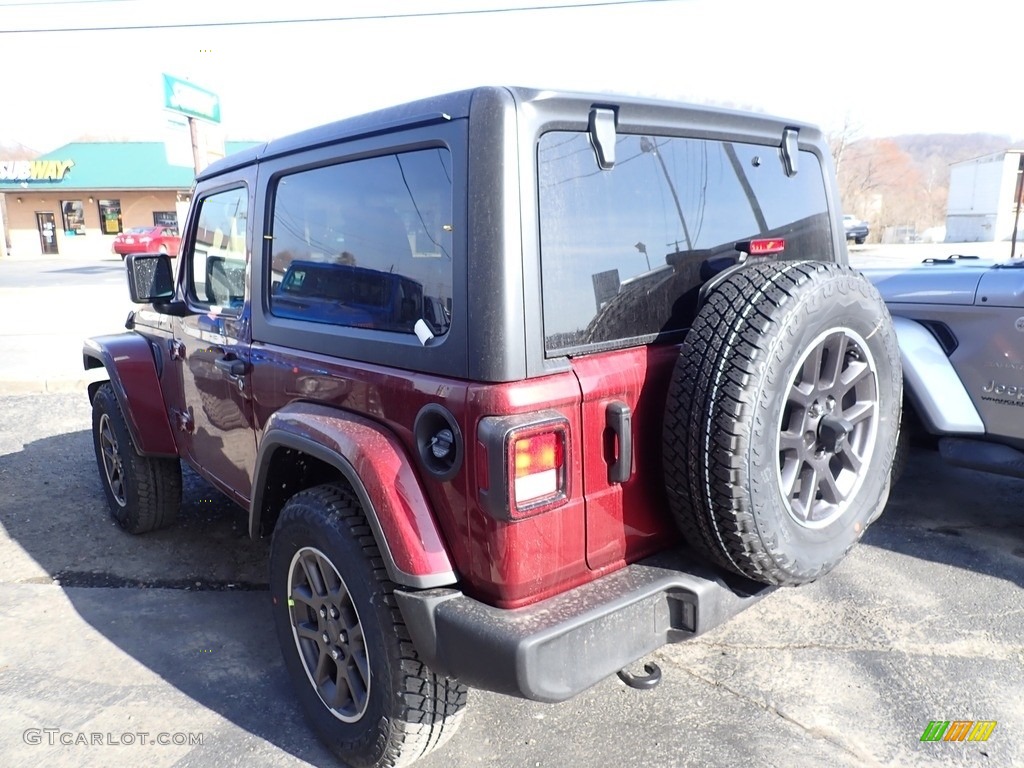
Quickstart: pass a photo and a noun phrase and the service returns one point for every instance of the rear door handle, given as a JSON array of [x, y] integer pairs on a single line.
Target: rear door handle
[[619, 419]]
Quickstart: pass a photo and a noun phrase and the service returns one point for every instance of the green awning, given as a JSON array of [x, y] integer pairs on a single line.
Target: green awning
[[88, 166]]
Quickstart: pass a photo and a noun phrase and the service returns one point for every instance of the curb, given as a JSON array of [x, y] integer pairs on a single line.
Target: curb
[[21, 387]]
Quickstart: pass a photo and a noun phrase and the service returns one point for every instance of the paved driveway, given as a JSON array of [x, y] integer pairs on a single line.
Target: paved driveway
[[118, 638], [112, 638]]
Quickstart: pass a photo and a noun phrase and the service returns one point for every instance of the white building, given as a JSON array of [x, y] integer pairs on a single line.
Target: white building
[[983, 198]]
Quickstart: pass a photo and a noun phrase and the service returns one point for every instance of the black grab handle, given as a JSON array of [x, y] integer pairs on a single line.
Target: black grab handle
[[618, 417]]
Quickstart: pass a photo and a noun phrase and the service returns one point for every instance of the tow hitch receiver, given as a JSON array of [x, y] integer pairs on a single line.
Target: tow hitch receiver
[[646, 682]]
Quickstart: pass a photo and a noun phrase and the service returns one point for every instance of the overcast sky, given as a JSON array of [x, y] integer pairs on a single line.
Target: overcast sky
[[885, 67]]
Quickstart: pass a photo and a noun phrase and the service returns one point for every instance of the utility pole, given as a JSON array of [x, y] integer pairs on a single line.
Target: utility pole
[[651, 147], [1020, 194], [193, 132]]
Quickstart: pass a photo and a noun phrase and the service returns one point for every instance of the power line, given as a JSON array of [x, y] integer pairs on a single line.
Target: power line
[[34, 3], [266, 22]]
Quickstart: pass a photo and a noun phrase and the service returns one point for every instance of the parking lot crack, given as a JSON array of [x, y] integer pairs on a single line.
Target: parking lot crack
[[861, 758], [98, 580]]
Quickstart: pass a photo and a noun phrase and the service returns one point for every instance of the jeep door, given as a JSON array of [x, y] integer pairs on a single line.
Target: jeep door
[[212, 339], [990, 355]]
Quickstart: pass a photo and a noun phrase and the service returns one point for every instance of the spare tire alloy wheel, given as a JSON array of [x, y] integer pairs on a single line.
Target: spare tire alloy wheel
[[782, 418], [345, 645], [827, 427]]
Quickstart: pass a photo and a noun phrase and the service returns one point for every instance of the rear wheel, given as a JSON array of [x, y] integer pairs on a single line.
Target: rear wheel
[[782, 420], [345, 645], [143, 492]]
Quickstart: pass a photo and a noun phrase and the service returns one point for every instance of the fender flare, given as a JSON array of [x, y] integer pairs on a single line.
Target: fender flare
[[941, 399], [129, 362], [377, 467]]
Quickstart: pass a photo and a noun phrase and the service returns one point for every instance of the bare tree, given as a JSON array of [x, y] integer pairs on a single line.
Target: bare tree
[[842, 137], [881, 183]]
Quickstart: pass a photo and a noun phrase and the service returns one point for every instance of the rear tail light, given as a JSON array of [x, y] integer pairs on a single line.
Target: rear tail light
[[524, 464], [538, 469]]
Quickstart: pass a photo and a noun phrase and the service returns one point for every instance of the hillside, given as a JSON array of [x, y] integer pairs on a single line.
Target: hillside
[[12, 150], [951, 147], [900, 184]]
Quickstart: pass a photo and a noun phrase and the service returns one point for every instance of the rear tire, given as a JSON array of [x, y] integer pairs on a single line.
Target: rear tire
[[782, 420], [143, 492], [345, 644]]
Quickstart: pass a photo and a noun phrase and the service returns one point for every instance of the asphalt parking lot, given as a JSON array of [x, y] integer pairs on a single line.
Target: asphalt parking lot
[[111, 644]]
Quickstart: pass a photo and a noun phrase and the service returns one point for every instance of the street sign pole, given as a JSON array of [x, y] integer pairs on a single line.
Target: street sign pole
[[193, 134]]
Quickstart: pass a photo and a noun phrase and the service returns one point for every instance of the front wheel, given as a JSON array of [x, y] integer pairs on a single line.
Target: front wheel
[[143, 492], [345, 644]]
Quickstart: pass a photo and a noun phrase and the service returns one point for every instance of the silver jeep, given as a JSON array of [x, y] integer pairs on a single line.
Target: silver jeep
[[960, 323]]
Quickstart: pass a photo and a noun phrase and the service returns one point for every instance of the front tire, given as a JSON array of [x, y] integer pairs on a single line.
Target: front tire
[[782, 420], [345, 644], [143, 492]]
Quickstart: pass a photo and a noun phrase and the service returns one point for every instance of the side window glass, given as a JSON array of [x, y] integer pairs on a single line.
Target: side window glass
[[366, 244], [216, 265]]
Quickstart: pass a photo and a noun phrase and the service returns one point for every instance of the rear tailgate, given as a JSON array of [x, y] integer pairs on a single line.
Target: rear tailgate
[[622, 414]]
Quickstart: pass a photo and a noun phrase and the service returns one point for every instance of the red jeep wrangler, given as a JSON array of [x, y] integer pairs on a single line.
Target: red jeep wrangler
[[523, 384]]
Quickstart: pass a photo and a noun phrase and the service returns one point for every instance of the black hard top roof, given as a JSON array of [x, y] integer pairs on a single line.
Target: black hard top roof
[[456, 105]]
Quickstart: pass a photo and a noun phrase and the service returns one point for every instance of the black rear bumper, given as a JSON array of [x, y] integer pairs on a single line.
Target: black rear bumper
[[554, 649]]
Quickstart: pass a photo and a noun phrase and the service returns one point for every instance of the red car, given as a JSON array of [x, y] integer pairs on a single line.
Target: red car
[[147, 240]]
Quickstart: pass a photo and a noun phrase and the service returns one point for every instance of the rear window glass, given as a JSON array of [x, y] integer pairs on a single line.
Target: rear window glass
[[624, 251]]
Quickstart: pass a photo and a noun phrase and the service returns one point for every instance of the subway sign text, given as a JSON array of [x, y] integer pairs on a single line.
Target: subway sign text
[[34, 170]]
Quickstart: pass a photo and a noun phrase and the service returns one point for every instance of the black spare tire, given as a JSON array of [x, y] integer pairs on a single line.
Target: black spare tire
[[782, 419]]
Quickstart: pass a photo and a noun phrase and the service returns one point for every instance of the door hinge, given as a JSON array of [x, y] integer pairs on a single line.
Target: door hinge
[[603, 135], [183, 420]]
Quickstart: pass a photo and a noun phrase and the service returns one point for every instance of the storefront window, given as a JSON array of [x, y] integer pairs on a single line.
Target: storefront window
[[110, 217], [165, 219], [73, 215]]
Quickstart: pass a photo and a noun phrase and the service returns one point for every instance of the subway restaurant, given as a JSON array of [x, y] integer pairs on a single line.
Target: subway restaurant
[[75, 200]]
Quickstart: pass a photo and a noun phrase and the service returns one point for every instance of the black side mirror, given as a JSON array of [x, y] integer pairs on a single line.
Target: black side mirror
[[150, 277]]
